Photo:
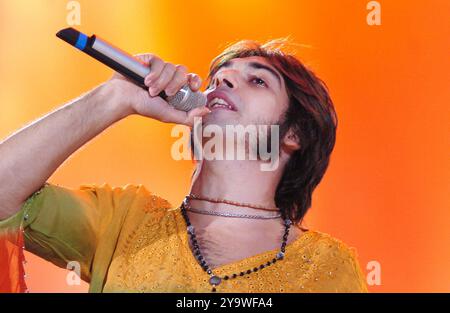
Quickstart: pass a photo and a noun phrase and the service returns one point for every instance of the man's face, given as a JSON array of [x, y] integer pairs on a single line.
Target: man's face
[[253, 92]]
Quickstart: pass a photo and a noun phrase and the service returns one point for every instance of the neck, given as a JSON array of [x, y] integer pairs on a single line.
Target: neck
[[240, 181]]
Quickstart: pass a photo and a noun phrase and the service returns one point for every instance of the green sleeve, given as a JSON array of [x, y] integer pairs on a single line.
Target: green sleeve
[[61, 224]]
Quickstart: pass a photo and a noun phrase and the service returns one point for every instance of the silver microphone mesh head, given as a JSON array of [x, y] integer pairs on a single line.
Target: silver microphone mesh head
[[186, 99]]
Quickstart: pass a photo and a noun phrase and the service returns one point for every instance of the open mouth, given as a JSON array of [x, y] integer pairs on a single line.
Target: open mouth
[[219, 103]]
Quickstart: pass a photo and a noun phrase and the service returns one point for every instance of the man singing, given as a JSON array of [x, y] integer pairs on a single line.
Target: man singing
[[239, 228]]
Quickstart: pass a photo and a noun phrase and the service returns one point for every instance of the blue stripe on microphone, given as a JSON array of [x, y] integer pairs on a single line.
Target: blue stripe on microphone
[[81, 41]]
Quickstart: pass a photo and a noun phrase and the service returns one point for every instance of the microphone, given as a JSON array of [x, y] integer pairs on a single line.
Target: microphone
[[185, 99]]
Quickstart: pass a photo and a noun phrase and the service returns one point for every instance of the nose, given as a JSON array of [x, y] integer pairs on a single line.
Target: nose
[[228, 83], [226, 78]]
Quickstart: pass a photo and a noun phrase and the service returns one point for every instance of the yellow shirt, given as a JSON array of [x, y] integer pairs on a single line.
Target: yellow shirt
[[128, 240]]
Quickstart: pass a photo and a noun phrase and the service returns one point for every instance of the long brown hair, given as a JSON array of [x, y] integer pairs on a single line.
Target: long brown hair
[[310, 115]]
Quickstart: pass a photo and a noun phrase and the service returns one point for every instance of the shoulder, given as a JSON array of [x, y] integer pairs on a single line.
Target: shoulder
[[141, 204], [136, 195], [331, 246], [106, 189], [333, 263], [128, 205], [149, 219]]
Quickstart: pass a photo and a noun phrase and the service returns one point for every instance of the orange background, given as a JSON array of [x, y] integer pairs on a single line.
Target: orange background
[[386, 190]]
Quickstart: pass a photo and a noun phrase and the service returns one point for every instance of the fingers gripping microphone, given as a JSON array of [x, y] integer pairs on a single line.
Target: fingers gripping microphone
[[185, 99]]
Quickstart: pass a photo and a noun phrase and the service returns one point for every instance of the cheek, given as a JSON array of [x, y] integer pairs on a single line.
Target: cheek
[[263, 109]]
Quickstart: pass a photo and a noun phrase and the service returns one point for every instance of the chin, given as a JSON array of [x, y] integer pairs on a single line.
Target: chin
[[220, 119]]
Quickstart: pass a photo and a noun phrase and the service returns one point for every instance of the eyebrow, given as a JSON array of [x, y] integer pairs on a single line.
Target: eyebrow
[[257, 65]]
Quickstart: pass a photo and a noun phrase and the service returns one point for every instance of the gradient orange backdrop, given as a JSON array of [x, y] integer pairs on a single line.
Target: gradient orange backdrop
[[386, 190]]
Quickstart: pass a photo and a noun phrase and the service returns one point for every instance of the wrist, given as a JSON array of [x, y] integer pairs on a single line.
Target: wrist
[[110, 95]]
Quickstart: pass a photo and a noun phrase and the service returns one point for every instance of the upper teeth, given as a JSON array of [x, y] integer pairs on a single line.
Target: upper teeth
[[218, 101]]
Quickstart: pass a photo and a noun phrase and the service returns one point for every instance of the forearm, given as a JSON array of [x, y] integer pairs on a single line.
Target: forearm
[[32, 154]]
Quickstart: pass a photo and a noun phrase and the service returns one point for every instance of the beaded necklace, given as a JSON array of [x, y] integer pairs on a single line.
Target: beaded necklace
[[215, 280]]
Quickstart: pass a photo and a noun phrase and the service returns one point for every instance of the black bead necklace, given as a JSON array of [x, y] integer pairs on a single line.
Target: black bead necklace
[[215, 280]]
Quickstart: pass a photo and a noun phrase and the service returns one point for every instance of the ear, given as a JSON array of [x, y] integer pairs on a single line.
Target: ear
[[291, 141]]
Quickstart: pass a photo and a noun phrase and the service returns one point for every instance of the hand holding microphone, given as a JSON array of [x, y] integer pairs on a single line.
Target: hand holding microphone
[[145, 83], [165, 77]]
